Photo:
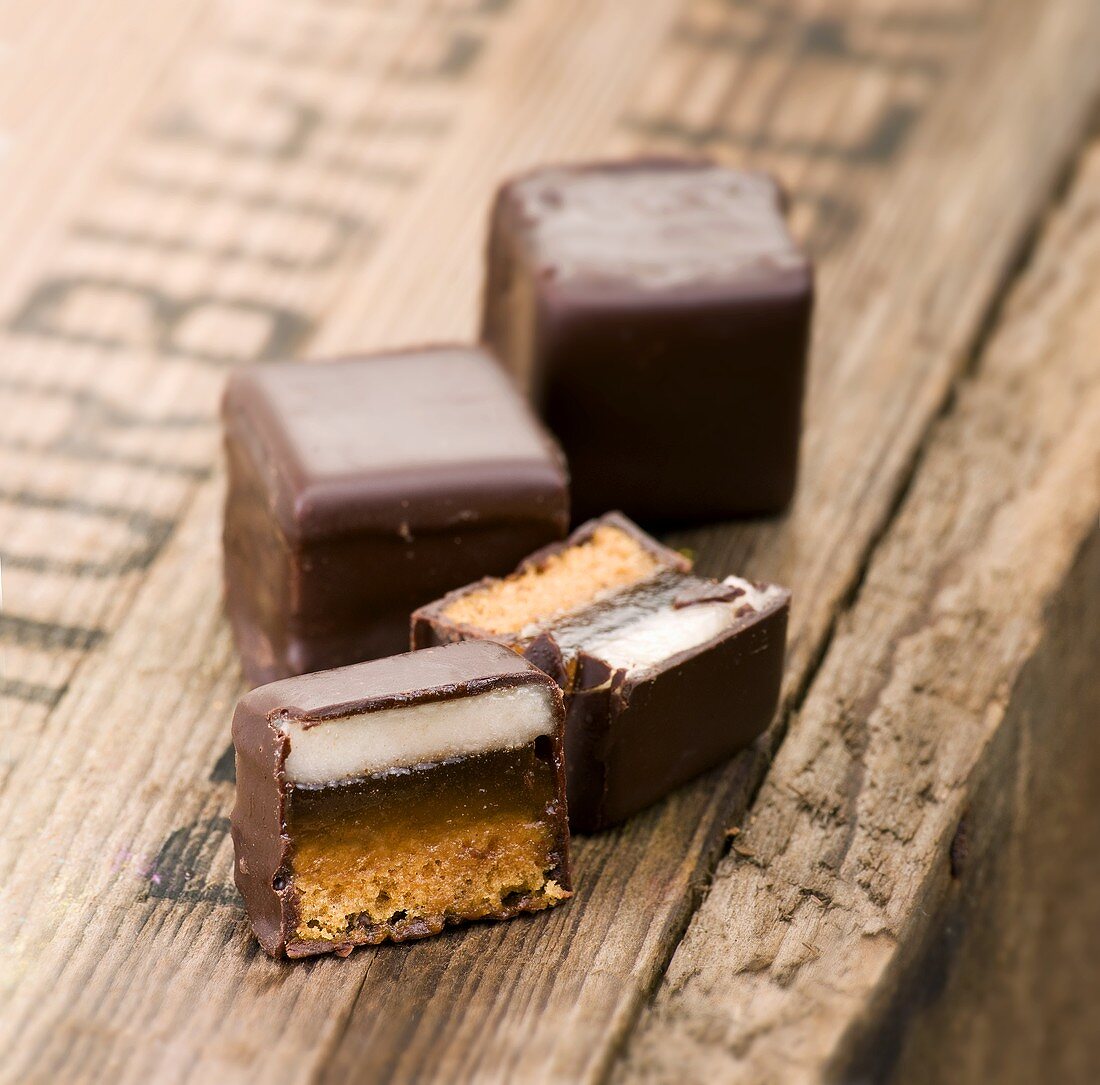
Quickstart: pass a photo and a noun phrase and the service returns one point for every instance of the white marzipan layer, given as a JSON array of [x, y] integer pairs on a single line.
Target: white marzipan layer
[[392, 738], [656, 637]]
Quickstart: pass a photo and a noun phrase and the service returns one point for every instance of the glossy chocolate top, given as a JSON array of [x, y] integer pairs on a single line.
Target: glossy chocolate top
[[656, 225], [419, 439], [433, 674]]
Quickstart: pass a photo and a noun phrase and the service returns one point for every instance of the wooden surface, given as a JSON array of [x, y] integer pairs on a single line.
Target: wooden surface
[[187, 186], [926, 750]]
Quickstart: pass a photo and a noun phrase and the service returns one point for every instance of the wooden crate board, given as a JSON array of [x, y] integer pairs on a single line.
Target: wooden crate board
[[309, 176], [920, 729]]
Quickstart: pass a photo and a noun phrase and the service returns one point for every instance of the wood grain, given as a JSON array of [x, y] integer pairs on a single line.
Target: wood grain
[[310, 173], [923, 753], [888, 349], [204, 234], [1003, 984]]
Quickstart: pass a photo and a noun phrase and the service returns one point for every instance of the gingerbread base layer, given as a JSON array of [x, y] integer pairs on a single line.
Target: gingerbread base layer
[[405, 853]]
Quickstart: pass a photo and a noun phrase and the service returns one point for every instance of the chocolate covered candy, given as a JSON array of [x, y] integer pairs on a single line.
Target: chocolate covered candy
[[658, 312], [386, 800], [359, 489], [665, 673]]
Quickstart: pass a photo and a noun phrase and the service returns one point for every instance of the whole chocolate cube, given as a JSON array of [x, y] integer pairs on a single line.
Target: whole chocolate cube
[[361, 488], [658, 312]]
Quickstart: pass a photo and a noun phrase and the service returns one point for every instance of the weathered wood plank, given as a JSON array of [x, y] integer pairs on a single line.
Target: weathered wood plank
[[63, 108], [196, 236], [1005, 983], [148, 859], [889, 347], [131, 958], [894, 909]]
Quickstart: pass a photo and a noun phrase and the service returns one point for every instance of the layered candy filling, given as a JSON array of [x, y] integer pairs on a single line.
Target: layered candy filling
[[468, 834], [569, 580], [462, 840], [613, 599]]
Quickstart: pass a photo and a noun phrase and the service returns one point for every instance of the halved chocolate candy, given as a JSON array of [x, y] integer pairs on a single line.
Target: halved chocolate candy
[[386, 800], [665, 674]]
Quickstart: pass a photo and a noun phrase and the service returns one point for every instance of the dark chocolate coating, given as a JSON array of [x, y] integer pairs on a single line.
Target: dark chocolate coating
[[359, 489], [630, 739], [661, 332], [636, 739], [262, 847]]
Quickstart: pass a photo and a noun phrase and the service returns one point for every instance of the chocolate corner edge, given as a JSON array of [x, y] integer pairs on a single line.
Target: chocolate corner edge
[[260, 844], [560, 814], [642, 704]]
